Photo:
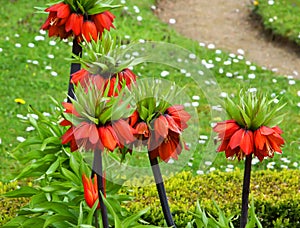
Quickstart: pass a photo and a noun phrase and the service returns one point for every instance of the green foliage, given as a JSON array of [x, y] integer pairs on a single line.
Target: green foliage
[[275, 194], [253, 110], [281, 17], [56, 195], [106, 56], [201, 219]]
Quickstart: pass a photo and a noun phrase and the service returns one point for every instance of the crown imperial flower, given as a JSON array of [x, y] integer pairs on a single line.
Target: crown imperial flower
[[97, 121], [81, 19], [158, 125], [251, 128], [105, 62]]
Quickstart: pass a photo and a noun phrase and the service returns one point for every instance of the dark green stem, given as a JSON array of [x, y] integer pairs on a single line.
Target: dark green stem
[[76, 50], [97, 169], [246, 191], [161, 192]]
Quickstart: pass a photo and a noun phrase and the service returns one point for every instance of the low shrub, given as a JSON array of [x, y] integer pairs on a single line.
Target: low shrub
[[8, 206], [276, 196]]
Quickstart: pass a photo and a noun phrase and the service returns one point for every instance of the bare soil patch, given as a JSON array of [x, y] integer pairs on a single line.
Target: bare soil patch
[[230, 26]]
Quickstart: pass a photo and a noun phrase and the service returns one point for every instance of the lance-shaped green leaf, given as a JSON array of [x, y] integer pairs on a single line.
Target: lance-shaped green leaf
[[252, 110], [100, 8], [106, 56]]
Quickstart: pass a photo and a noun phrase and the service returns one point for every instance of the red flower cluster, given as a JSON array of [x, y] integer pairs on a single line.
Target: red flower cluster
[[163, 137], [63, 23], [239, 142], [90, 136], [84, 77]]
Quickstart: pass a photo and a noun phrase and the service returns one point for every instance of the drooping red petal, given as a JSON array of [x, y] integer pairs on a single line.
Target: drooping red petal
[[166, 150], [111, 16], [276, 141], [67, 137], [179, 114], [73, 145], [63, 11], [247, 142], [259, 139], [113, 88], [224, 145], [98, 81], [108, 137], [170, 147], [82, 131], [161, 126], [236, 138], [93, 133], [266, 130], [57, 31], [142, 129], [154, 153], [89, 31], [46, 25], [79, 76], [104, 20], [128, 76], [226, 129], [277, 130], [231, 153], [74, 23], [65, 123], [55, 7], [70, 108], [123, 131], [172, 124], [132, 120]]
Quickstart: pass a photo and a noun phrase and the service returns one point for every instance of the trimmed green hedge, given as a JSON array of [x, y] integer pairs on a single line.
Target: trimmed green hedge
[[9, 206], [276, 196]]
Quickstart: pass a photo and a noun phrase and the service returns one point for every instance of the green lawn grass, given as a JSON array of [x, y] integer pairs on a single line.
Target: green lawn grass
[[33, 69], [281, 17]]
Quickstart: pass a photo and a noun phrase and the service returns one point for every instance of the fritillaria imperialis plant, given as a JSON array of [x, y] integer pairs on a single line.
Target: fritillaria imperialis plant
[[104, 62], [252, 130], [97, 121], [79, 18], [98, 116], [158, 125]]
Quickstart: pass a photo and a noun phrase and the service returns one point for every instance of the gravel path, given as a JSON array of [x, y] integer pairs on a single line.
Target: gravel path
[[229, 26]]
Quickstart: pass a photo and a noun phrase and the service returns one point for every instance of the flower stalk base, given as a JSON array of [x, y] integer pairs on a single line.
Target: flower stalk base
[[161, 192], [246, 191], [97, 169]]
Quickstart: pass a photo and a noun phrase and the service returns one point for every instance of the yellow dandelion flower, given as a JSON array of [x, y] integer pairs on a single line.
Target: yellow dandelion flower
[[20, 101], [255, 3]]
